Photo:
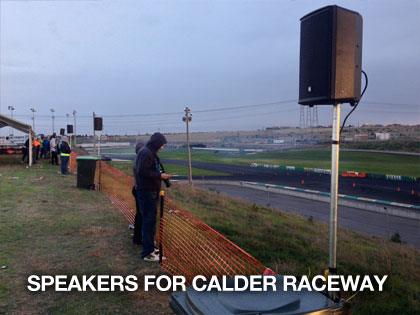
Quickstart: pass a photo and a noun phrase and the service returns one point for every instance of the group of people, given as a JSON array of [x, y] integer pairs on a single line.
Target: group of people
[[44, 147], [148, 177]]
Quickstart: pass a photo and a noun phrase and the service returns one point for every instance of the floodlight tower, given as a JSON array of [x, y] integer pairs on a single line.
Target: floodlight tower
[[187, 118], [52, 116], [33, 118], [74, 115]]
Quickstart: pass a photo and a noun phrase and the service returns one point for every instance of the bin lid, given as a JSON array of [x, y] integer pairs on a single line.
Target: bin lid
[[87, 158]]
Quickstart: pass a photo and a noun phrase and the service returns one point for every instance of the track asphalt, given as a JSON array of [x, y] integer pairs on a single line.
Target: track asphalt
[[381, 189], [361, 187]]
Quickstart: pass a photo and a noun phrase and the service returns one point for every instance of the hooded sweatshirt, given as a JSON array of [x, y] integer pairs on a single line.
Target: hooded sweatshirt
[[146, 167]]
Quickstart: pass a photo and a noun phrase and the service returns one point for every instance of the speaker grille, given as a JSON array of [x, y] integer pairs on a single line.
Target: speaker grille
[[315, 56], [97, 123]]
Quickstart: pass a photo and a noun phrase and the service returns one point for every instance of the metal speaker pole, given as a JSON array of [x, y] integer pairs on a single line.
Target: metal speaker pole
[[335, 152]]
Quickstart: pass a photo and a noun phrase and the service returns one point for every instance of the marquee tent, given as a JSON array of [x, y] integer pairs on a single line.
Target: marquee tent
[[7, 121]]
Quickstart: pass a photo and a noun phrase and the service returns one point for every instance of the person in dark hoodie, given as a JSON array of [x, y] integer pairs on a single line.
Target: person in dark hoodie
[[148, 179], [137, 220]]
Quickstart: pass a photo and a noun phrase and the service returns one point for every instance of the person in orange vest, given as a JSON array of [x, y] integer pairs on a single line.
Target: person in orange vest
[[37, 146]]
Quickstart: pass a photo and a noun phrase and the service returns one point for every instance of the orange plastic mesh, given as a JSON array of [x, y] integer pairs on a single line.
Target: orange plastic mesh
[[118, 186], [73, 162], [190, 246], [193, 248]]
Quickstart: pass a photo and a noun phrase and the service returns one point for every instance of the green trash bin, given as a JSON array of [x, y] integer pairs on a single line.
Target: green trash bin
[[86, 166]]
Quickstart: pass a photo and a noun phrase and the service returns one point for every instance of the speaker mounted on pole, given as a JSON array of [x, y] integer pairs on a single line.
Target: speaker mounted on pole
[[97, 123], [69, 129], [330, 57]]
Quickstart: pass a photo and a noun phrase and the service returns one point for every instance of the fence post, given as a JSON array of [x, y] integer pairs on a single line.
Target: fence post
[[162, 204]]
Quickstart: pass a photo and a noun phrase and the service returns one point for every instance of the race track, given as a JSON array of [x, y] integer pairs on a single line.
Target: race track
[[361, 187]]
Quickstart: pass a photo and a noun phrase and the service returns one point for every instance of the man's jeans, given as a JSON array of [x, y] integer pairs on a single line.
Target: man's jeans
[[148, 202], [137, 221], [64, 161]]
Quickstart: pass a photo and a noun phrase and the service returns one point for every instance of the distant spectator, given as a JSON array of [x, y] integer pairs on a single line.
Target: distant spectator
[[25, 151], [41, 142], [64, 154], [46, 146], [37, 147], [53, 149]]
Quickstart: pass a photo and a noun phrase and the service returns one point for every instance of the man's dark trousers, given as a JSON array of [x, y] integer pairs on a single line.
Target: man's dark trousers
[[148, 202], [137, 222]]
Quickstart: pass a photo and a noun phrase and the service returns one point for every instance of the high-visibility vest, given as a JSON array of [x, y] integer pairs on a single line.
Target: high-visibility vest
[[64, 154]]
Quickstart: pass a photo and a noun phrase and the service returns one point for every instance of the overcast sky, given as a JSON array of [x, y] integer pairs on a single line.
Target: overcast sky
[[149, 59]]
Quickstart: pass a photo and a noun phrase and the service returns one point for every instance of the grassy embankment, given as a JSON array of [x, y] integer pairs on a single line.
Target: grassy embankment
[[49, 227], [290, 244]]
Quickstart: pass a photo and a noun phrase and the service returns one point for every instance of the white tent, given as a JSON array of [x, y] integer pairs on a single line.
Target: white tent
[[7, 121]]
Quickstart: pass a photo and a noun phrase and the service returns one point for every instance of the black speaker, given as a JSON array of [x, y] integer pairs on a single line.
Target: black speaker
[[62, 131], [69, 129], [330, 69], [97, 123]]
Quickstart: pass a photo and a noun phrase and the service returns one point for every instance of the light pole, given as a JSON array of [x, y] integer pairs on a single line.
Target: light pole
[[67, 118], [52, 116], [74, 114], [11, 108], [187, 118], [33, 118]]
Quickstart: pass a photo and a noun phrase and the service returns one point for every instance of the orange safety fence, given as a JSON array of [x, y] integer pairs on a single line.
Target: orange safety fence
[[118, 187], [73, 162], [193, 248], [190, 246]]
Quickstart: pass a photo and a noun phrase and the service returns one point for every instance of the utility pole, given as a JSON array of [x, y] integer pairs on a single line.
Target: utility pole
[[11, 108], [94, 135], [187, 118], [33, 118], [75, 135], [52, 116]]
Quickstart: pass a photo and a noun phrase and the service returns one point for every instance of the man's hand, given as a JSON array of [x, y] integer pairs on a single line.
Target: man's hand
[[165, 176]]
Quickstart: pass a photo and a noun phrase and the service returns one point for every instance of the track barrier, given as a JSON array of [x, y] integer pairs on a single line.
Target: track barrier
[[343, 174]]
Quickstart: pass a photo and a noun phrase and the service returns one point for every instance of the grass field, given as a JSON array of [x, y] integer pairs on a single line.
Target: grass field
[[378, 163], [49, 227], [349, 161], [127, 167]]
